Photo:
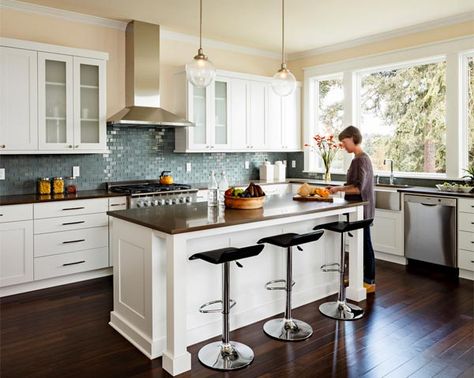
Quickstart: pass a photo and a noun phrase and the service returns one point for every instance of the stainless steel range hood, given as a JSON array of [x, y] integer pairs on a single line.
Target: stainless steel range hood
[[142, 81]]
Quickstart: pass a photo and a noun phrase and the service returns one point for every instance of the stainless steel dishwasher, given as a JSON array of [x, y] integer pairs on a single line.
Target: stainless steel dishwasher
[[430, 229]]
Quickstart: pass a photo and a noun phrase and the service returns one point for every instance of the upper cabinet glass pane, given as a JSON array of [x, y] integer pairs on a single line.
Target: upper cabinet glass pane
[[221, 112], [55, 101], [199, 115], [89, 110]]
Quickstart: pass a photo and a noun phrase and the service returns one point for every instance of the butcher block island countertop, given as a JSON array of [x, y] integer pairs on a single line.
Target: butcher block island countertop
[[177, 219], [158, 290]]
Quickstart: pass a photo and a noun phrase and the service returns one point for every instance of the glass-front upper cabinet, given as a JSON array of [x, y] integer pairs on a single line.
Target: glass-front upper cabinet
[[198, 111], [89, 104], [55, 104], [221, 112]]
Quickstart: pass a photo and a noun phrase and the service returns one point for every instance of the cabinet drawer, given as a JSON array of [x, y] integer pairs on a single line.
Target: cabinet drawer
[[13, 213], [75, 222], [70, 241], [117, 203], [466, 205], [466, 260], [466, 240], [68, 208], [69, 263], [466, 222]]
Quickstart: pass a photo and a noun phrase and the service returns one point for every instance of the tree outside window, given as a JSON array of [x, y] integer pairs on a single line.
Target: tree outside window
[[402, 117]]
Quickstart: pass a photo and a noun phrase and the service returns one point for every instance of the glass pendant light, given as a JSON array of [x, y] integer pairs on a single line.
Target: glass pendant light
[[200, 72], [283, 82]]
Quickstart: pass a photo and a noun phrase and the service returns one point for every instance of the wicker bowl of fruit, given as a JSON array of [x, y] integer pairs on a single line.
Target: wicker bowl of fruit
[[251, 198]]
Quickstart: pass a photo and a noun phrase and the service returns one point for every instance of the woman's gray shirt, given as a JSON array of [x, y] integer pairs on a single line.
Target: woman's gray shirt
[[361, 175]]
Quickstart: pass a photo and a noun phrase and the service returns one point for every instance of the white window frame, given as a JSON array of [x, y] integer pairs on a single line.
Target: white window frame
[[452, 51], [464, 86]]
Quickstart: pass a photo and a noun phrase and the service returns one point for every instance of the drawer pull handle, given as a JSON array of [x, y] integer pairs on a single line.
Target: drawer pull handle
[[69, 223], [75, 263], [74, 208], [117, 204], [1, 215], [74, 241]]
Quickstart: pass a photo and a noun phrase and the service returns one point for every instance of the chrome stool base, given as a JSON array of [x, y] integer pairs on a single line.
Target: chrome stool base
[[341, 310], [287, 330], [220, 356]]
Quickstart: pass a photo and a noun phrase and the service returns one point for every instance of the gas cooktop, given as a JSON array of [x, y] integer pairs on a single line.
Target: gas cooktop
[[147, 188]]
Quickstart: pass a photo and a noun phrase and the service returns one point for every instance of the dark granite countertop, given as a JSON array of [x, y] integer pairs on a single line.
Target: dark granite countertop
[[197, 216], [37, 198], [434, 191]]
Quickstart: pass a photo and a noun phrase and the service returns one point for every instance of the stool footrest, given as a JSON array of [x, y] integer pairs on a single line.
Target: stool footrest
[[327, 267], [269, 285], [206, 310]]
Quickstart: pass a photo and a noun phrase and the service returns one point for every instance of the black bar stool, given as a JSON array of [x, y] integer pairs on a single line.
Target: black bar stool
[[341, 309], [225, 354], [287, 328]]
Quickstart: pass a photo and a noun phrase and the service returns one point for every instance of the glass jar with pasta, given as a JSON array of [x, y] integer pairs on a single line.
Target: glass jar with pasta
[[58, 185], [44, 185]]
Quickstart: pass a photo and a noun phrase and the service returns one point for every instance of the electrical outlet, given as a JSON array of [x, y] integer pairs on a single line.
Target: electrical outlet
[[76, 172], [2, 173], [284, 162], [188, 167], [247, 165], [293, 164]]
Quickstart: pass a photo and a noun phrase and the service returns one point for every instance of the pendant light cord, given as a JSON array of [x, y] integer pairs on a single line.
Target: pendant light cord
[[283, 32], [200, 24]]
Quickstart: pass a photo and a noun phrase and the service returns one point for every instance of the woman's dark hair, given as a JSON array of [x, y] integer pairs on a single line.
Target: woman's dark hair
[[351, 132]]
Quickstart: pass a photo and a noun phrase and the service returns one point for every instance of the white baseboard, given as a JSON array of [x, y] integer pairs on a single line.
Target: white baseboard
[[466, 274], [56, 281], [391, 258]]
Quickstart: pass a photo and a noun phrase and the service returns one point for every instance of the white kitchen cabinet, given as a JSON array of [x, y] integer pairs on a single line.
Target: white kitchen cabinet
[[89, 104], [209, 109], [55, 102], [466, 238], [18, 100], [237, 113], [52, 99], [387, 232]]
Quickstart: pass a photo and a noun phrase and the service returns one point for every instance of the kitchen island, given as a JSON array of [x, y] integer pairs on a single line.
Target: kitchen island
[[157, 290]]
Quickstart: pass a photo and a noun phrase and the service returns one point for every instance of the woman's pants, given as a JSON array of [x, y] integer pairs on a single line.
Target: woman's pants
[[369, 258]]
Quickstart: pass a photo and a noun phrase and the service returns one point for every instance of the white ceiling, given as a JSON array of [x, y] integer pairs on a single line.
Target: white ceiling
[[256, 23]]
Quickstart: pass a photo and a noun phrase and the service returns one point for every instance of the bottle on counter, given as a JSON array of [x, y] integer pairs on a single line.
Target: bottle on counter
[[44, 185], [212, 190], [223, 186], [58, 185], [71, 186]]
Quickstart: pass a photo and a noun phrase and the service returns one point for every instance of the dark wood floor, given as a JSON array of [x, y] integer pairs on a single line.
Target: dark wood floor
[[415, 326]]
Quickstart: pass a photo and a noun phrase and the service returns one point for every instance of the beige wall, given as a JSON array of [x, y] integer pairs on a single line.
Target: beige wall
[[174, 55], [439, 34]]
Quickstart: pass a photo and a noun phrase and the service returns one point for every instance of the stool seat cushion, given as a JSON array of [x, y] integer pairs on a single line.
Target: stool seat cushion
[[291, 239], [344, 226], [219, 256]]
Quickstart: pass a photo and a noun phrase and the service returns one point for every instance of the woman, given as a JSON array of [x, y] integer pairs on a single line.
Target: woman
[[360, 186]]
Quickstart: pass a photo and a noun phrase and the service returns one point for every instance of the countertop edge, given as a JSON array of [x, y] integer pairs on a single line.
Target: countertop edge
[[433, 191], [25, 199]]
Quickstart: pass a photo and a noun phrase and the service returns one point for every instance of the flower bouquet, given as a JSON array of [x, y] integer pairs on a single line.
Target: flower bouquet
[[327, 148]]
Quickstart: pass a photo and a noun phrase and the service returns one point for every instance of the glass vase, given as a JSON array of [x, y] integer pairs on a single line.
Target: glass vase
[[327, 175]]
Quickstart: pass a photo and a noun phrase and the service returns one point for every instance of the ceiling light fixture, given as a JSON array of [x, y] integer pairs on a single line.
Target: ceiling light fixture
[[283, 82], [200, 72]]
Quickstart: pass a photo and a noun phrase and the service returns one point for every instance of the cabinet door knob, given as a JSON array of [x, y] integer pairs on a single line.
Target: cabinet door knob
[[2, 146], [76, 146], [212, 146], [70, 146]]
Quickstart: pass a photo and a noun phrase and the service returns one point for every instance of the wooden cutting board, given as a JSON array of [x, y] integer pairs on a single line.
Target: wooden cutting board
[[312, 199]]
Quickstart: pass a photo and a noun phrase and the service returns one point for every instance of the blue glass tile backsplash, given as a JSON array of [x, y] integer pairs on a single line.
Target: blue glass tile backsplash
[[135, 153]]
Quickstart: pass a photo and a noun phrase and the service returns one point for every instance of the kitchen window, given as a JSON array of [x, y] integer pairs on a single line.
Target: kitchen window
[[329, 115], [414, 106], [402, 116]]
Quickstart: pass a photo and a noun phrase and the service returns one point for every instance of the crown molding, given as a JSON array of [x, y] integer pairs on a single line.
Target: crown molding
[[121, 25], [425, 26], [64, 14]]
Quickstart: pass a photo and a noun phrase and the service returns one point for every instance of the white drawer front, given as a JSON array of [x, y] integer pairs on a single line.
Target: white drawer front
[[69, 263], [466, 260], [13, 213], [75, 222], [68, 208], [117, 203], [466, 240], [70, 241], [466, 222], [466, 205]]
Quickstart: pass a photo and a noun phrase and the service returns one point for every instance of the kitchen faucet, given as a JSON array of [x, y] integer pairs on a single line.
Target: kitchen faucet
[[386, 161]]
